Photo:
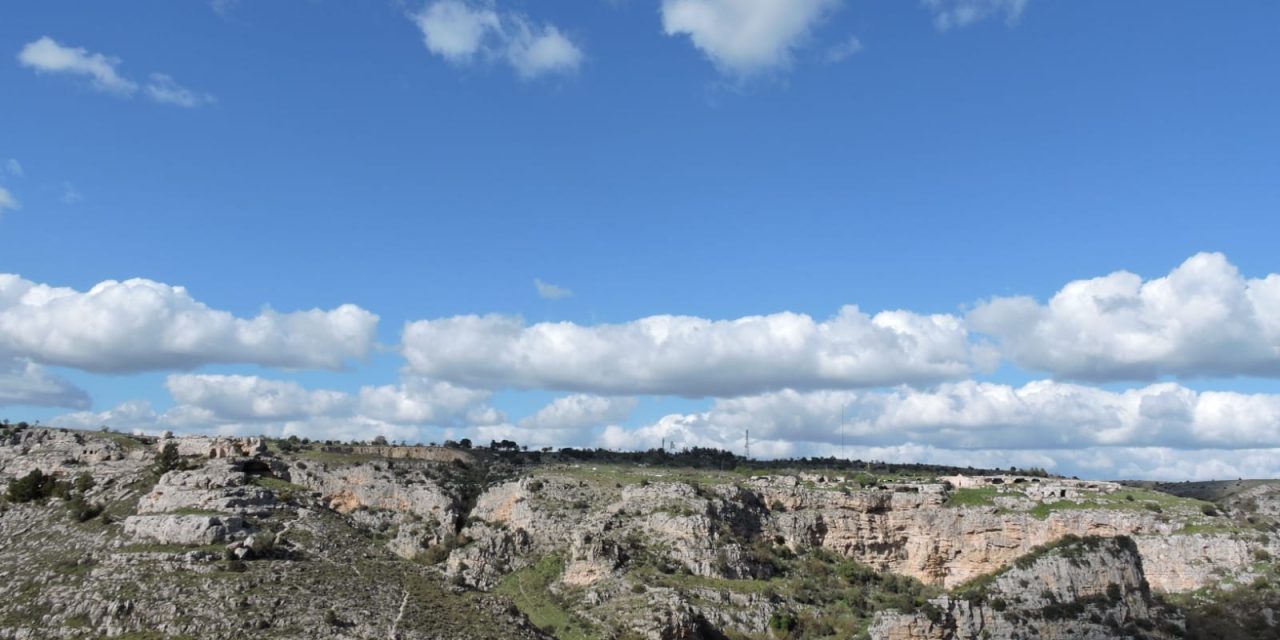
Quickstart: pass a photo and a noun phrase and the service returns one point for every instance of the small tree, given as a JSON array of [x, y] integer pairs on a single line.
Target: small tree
[[84, 482], [167, 460], [381, 441]]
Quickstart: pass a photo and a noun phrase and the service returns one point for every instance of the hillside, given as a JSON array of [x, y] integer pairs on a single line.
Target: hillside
[[134, 537]]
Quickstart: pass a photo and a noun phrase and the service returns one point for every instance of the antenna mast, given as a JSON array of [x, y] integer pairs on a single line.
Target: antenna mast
[[746, 444], [842, 410]]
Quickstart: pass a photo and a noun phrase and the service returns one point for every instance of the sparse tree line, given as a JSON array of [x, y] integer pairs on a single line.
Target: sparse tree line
[[693, 457]]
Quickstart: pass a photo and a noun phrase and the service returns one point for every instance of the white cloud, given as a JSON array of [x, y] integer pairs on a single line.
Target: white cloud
[[550, 291], [1203, 319], [141, 324], [254, 398], [422, 401], [23, 382], [163, 89], [208, 400], [456, 31], [977, 415], [844, 50], [128, 416], [956, 14], [1161, 431], [14, 168], [47, 56], [464, 32], [692, 356], [744, 37], [8, 202], [580, 411]]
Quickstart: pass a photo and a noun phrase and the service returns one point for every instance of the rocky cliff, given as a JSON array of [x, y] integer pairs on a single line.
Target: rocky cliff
[[230, 537]]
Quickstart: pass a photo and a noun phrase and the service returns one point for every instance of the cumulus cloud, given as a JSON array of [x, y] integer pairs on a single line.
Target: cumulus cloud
[[255, 398], [744, 37], [466, 32], [422, 401], [128, 416], [1161, 431], [140, 324], [957, 14], [164, 89], [580, 411], [976, 415], [47, 56], [692, 356], [1203, 319], [550, 291], [204, 400], [23, 382]]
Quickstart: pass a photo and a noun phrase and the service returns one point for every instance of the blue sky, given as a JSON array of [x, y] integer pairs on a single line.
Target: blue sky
[[309, 155]]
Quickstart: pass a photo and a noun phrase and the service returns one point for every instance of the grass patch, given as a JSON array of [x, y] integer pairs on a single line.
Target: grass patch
[[529, 589], [976, 497], [192, 511], [1126, 500], [125, 440], [170, 548], [276, 484]]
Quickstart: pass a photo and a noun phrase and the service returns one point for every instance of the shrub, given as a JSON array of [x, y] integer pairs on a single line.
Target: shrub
[[782, 621], [33, 486], [777, 505], [84, 482], [83, 511], [1209, 510]]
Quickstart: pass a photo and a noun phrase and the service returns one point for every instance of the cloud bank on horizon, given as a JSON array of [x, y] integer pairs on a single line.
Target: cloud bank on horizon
[[909, 385]]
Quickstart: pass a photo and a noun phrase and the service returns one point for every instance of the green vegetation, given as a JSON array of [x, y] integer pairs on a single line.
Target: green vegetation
[[977, 497], [126, 441], [1069, 546], [529, 589], [836, 597], [167, 460], [31, 487], [1126, 499], [1236, 613], [276, 484]]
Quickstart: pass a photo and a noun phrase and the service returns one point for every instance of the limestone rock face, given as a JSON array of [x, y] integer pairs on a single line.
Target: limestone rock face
[[219, 486], [422, 511], [1182, 563], [55, 451], [908, 530], [183, 529], [216, 447], [1091, 590]]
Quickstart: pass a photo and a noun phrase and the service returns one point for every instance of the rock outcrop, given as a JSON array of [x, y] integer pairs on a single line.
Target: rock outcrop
[[183, 529], [384, 541], [1089, 589]]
